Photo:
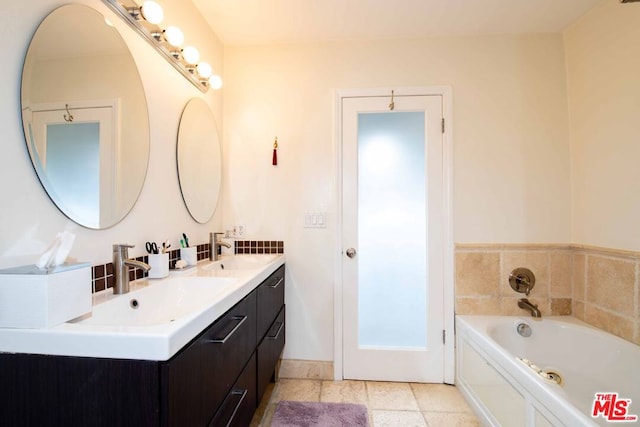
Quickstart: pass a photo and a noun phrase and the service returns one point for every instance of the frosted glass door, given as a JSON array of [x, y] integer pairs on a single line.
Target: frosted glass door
[[392, 202], [392, 264]]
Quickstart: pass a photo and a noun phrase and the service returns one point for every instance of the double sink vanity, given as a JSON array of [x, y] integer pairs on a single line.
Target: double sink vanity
[[195, 349]]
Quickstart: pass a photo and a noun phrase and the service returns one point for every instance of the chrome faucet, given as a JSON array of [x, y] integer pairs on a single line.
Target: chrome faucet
[[214, 245], [525, 304], [121, 264]]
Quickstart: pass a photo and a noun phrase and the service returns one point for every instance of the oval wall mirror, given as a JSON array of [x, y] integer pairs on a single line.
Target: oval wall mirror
[[199, 160], [84, 114]]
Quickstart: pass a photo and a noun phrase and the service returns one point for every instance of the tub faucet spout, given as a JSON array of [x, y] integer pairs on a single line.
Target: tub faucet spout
[[525, 304]]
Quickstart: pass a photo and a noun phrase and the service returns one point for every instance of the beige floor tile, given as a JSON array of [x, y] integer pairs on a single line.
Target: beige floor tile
[[391, 396], [389, 404], [296, 390], [265, 421], [450, 419], [261, 411], [397, 419], [344, 392], [439, 398]]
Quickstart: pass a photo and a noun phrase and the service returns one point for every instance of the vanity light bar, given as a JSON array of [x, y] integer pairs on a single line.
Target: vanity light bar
[[166, 41]]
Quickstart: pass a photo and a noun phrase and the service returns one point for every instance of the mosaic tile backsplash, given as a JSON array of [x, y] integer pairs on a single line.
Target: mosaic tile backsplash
[[102, 274], [259, 247]]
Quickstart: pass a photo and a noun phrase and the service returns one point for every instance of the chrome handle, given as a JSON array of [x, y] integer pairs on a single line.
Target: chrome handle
[[242, 393], [277, 283], [522, 280], [275, 337], [351, 252], [228, 401], [233, 331]]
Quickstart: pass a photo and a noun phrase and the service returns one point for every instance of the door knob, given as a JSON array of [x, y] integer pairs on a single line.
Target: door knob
[[351, 252]]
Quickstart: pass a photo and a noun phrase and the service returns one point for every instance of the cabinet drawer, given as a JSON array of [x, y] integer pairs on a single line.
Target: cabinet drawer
[[270, 300], [225, 349], [240, 403], [269, 351]]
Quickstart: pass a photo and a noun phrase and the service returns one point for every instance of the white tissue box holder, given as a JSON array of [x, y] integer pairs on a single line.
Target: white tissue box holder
[[34, 298]]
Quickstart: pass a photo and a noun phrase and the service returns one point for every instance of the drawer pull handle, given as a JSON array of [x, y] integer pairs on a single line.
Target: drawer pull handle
[[277, 283], [275, 337], [235, 411], [218, 420], [223, 340]]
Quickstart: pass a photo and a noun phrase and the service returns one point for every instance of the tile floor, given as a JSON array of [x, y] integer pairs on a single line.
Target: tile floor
[[388, 404]]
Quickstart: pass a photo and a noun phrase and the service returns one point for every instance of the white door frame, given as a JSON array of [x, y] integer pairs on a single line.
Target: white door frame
[[448, 256]]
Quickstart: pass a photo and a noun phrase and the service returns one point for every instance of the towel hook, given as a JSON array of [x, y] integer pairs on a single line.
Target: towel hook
[[393, 104], [69, 118]]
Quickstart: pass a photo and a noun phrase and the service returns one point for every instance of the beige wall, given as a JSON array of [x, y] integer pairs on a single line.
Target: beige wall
[[603, 68], [602, 282], [511, 152]]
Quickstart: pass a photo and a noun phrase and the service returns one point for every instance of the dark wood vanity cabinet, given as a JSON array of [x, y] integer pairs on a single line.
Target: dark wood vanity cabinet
[[269, 352], [271, 332], [216, 380], [196, 381], [240, 403], [270, 300]]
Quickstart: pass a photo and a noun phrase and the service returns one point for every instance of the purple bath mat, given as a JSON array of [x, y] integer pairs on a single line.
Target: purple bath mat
[[318, 414]]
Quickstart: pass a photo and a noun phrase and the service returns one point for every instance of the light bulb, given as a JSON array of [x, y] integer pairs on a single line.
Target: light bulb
[[204, 70], [215, 81], [152, 12], [174, 36], [191, 55]]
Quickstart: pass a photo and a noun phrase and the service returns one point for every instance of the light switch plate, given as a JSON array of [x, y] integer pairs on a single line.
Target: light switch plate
[[315, 220]]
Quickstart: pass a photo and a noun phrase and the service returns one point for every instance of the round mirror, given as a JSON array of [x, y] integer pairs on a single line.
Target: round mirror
[[85, 116], [199, 160]]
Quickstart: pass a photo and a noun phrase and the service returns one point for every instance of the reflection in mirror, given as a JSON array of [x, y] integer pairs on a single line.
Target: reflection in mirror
[[85, 117], [199, 160]]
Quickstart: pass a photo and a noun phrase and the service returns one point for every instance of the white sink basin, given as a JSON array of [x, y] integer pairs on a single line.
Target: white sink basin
[[241, 262], [170, 313], [160, 302]]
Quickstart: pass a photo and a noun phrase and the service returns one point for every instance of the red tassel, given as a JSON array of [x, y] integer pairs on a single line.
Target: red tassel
[[274, 159]]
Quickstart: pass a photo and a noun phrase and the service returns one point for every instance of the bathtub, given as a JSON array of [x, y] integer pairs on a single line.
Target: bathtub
[[549, 378]]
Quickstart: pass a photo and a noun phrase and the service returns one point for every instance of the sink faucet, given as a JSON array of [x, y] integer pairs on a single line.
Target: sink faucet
[[525, 304], [121, 264], [214, 245]]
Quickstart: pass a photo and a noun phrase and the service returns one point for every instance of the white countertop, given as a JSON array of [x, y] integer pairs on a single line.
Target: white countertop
[[146, 342]]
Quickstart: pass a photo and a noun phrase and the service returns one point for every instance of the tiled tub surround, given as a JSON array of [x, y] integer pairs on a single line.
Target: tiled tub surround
[[597, 285], [102, 274]]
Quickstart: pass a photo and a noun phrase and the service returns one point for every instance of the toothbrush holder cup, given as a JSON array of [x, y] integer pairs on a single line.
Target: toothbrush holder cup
[[159, 265]]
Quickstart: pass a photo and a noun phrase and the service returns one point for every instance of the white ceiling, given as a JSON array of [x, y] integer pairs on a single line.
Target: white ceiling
[[282, 21]]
